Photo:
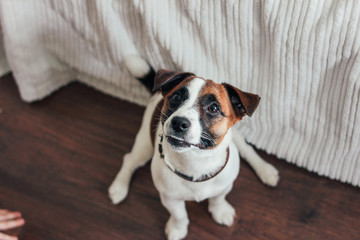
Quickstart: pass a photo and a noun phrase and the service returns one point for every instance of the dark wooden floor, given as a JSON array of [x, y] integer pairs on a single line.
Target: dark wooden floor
[[58, 157]]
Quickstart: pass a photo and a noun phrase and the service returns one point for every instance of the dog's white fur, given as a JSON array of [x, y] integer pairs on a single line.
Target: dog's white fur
[[174, 190]]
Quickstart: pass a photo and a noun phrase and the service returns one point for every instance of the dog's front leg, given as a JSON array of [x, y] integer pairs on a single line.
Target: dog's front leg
[[221, 210], [177, 225], [141, 152]]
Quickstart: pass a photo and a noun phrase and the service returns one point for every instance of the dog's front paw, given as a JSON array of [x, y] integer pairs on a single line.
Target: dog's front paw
[[118, 191], [176, 229], [223, 213], [269, 175]]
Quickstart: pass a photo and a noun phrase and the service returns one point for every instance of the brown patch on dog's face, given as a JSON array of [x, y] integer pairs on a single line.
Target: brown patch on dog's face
[[216, 113]]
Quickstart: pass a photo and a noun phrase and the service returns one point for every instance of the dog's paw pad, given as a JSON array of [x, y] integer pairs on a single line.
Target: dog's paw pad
[[223, 213], [175, 229], [269, 175], [118, 192]]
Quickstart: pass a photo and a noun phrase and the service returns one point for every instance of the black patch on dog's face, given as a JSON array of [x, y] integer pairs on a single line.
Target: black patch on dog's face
[[173, 102], [210, 112]]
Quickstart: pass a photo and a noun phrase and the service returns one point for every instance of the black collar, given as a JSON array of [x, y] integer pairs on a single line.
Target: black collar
[[203, 178]]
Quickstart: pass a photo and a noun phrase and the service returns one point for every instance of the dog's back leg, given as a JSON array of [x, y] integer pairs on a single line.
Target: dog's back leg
[[267, 173], [141, 152]]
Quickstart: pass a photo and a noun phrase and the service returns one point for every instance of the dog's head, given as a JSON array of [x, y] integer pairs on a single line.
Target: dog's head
[[198, 112]]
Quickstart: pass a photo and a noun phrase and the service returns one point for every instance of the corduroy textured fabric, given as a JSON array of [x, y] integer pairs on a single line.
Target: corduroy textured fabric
[[301, 57]]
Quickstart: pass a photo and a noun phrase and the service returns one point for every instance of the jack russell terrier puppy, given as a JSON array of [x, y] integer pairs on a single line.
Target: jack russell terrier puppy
[[187, 131]]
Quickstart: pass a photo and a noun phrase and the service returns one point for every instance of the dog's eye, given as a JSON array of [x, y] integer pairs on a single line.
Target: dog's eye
[[214, 108], [176, 98]]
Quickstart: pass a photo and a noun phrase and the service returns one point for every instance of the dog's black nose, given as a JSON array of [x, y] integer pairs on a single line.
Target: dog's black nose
[[180, 124]]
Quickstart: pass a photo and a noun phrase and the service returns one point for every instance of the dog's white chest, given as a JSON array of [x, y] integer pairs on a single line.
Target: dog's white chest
[[172, 185]]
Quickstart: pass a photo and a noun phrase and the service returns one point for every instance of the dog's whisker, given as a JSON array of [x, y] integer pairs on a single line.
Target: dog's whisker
[[208, 137], [162, 113]]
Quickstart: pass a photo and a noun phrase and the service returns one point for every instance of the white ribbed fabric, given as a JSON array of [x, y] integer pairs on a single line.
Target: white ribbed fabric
[[301, 57]]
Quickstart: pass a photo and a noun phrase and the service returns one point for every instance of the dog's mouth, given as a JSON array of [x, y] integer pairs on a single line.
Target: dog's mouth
[[180, 143]]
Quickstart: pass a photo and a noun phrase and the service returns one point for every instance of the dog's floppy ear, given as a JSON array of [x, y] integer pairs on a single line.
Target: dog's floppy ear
[[242, 102], [166, 80]]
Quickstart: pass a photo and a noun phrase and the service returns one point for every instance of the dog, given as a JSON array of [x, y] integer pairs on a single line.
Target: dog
[[187, 130]]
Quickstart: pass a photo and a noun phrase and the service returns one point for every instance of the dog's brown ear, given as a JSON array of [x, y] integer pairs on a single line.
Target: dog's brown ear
[[243, 103], [166, 80]]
